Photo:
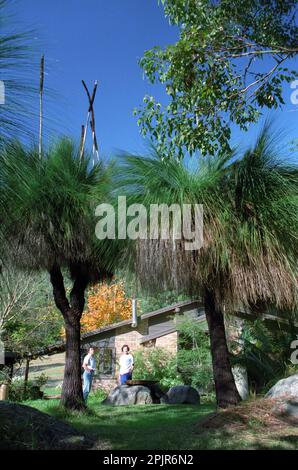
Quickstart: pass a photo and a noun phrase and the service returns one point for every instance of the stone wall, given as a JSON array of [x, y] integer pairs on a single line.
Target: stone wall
[[130, 336], [123, 335], [105, 383], [168, 342]]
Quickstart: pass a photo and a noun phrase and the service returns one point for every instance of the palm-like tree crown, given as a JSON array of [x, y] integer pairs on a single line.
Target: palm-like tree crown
[[47, 207], [250, 203], [17, 63]]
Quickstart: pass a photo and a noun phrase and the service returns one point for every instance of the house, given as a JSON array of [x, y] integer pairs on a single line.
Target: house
[[154, 329]]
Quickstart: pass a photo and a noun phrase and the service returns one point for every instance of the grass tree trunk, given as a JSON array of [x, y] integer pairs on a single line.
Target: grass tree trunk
[[226, 391], [72, 396]]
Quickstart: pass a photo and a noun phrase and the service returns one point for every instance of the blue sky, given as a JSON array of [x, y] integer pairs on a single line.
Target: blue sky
[[103, 40]]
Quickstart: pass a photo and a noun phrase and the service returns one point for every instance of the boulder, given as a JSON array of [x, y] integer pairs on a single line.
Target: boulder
[[287, 409], [129, 395], [157, 394], [241, 381], [285, 387], [25, 428], [183, 394]]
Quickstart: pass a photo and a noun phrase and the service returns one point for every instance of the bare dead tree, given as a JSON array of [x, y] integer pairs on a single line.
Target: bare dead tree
[[90, 120]]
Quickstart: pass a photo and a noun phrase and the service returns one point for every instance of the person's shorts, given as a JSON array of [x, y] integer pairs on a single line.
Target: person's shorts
[[125, 377]]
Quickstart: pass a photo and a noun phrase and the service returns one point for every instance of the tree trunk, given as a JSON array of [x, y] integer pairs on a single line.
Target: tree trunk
[[226, 391], [26, 376], [72, 394]]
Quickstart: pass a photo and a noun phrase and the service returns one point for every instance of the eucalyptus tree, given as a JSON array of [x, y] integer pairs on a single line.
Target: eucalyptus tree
[[48, 221], [248, 258], [229, 63]]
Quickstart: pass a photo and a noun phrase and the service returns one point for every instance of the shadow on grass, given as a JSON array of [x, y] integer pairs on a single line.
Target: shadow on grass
[[133, 427]]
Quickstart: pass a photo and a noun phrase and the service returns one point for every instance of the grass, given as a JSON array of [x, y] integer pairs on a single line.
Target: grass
[[135, 427], [178, 427], [52, 367]]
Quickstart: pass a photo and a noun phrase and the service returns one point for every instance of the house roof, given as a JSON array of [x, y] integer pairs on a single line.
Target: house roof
[[60, 346], [154, 313], [157, 335], [170, 308], [167, 331]]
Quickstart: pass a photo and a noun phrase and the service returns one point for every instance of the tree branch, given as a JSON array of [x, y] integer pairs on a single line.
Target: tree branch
[[59, 290]]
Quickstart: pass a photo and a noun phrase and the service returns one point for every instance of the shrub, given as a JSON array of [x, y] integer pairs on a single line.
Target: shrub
[[99, 394], [191, 365], [194, 357], [157, 364], [266, 354], [17, 390], [4, 376]]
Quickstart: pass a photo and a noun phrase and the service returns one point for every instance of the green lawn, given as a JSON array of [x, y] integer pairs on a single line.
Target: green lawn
[[168, 427], [134, 427]]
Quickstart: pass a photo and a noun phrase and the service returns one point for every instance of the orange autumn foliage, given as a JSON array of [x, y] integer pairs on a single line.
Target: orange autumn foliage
[[107, 304]]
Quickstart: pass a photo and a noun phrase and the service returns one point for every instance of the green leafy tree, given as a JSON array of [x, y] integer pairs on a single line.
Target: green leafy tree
[[28, 317], [215, 74], [249, 251], [48, 222]]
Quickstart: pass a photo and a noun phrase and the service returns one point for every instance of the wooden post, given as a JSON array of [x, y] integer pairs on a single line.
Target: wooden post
[[3, 392], [26, 375]]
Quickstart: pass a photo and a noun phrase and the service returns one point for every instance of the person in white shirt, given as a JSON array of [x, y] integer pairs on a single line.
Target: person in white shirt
[[126, 365], [88, 365]]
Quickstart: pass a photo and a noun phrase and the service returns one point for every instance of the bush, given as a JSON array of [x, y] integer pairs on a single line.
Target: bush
[[266, 354], [99, 395], [4, 376], [157, 364], [194, 357], [18, 393], [191, 365]]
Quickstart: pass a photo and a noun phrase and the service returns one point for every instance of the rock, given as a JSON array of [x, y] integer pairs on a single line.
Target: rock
[[181, 394], [23, 427], [164, 400], [129, 395], [287, 409], [241, 381], [285, 387], [158, 396]]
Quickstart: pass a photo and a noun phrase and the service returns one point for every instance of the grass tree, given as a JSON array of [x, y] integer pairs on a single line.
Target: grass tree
[[249, 251], [17, 89], [47, 219]]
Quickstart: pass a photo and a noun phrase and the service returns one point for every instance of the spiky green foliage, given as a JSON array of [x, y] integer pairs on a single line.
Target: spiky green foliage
[[16, 65], [250, 202], [47, 208], [265, 353]]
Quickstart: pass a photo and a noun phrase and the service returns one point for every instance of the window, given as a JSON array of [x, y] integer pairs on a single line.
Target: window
[[150, 344], [106, 361]]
